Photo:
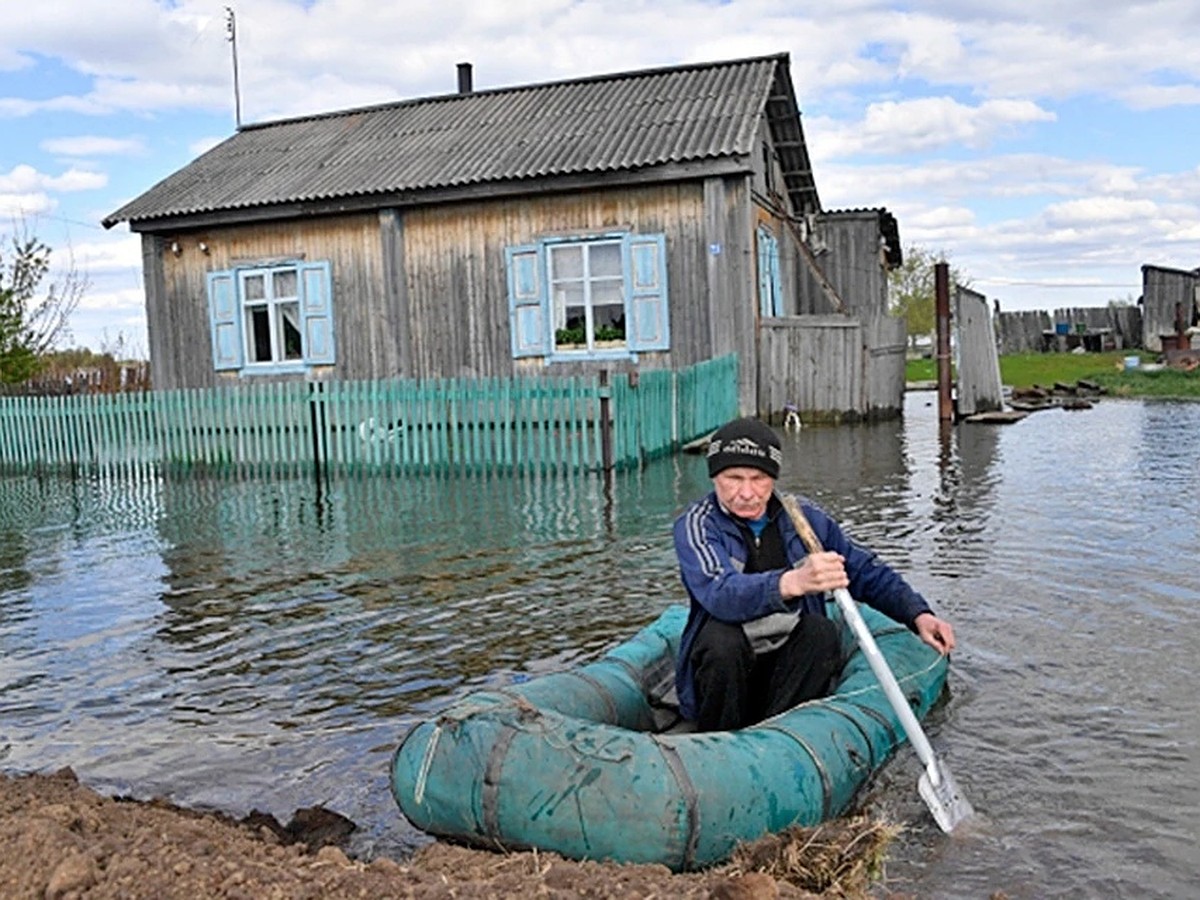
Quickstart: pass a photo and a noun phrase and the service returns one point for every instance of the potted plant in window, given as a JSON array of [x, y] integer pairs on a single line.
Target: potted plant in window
[[570, 338]]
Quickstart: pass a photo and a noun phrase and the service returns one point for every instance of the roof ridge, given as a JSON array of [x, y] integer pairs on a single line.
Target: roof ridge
[[453, 96]]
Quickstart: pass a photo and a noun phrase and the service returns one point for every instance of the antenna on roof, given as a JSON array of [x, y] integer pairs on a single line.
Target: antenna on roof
[[231, 30]]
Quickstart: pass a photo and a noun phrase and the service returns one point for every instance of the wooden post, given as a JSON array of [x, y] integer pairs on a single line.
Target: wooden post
[[941, 296], [316, 417], [606, 437]]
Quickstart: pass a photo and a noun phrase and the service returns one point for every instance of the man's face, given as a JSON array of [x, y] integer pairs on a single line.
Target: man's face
[[744, 490]]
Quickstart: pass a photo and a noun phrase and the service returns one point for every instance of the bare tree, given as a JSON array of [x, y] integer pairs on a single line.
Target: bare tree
[[33, 320]]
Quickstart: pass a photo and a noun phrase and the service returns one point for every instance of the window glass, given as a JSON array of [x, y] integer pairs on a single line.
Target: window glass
[[289, 329], [254, 287], [605, 260], [283, 283], [258, 334], [566, 261], [272, 314], [587, 287]]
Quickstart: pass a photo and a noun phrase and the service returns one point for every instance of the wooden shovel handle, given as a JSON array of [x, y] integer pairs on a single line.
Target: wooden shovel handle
[[809, 537]]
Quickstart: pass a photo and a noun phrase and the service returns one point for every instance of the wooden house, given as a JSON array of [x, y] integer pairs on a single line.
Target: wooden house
[[644, 219], [1170, 307]]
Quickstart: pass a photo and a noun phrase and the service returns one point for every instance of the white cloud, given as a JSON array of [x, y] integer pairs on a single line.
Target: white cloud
[[26, 178], [94, 145], [921, 125], [1096, 210], [1159, 96], [18, 206]]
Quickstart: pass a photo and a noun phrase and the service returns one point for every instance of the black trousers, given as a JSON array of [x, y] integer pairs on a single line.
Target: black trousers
[[736, 688]]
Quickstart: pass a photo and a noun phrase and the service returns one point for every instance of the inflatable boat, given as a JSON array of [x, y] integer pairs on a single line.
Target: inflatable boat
[[593, 763]]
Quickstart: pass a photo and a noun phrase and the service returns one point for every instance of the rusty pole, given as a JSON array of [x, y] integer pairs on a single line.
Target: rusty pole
[[941, 301]]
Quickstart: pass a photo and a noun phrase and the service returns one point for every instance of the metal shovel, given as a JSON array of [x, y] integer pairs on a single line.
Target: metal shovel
[[936, 785]]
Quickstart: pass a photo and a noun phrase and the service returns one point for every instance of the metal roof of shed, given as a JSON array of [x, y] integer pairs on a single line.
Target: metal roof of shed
[[620, 123]]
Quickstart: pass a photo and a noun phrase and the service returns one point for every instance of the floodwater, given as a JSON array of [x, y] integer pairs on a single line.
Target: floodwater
[[265, 645]]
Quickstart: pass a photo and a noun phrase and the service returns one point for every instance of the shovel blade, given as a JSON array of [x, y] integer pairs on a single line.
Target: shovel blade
[[944, 799]]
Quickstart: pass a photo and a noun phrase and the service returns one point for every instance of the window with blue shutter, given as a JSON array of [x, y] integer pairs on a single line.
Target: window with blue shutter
[[271, 319], [595, 297]]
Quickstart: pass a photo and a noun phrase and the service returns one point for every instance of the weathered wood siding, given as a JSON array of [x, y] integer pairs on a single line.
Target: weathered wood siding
[[177, 307], [832, 368], [457, 292], [849, 254], [814, 363], [1163, 291], [884, 363], [978, 364], [423, 292]]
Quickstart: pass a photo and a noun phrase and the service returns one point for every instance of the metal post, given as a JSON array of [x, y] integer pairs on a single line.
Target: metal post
[[231, 29], [941, 296]]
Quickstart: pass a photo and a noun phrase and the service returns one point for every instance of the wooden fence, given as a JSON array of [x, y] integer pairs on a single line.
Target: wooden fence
[[832, 368], [1026, 331], [520, 424], [979, 388]]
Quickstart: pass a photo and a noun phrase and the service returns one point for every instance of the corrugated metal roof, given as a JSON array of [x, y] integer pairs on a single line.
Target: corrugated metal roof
[[614, 123]]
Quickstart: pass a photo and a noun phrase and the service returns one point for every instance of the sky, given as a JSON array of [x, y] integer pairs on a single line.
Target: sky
[[1048, 151]]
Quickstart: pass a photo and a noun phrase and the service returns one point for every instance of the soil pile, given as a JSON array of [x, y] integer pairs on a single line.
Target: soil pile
[[59, 840]]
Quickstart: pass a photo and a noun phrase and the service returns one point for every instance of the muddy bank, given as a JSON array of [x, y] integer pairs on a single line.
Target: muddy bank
[[60, 839]]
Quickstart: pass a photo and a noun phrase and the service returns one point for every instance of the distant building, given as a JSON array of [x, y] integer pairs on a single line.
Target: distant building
[[1170, 304]]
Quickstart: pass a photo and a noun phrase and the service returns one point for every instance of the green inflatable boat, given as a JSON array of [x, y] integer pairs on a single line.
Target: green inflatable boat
[[588, 763]]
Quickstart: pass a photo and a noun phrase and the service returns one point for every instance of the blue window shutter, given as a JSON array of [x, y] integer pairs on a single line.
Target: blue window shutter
[[646, 271], [316, 313], [526, 302], [770, 288], [225, 320]]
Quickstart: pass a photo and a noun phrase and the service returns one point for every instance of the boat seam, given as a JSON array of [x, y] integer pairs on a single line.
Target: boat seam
[[858, 726], [826, 782], [490, 793], [691, 798], [609, 703]]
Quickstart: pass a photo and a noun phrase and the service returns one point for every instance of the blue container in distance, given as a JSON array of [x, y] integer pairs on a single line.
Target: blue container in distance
[[1132, 362], [1062, 327]]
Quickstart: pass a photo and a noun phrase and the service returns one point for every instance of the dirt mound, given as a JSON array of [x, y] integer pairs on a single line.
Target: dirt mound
[[59, 839]]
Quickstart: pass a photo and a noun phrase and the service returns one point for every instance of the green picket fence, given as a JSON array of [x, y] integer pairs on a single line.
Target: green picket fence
[[522, 424]]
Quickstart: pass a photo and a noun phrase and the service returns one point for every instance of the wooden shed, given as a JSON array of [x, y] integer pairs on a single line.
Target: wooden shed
[[644, 219], [1170, 306]]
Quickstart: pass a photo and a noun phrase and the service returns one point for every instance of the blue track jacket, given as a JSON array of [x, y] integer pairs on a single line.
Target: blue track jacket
[[712, 553]]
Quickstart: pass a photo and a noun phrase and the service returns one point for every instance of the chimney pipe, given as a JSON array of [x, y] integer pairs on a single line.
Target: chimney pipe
[[464, 78]]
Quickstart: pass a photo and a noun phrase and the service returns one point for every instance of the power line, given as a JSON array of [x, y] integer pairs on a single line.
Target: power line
[[1057, 284]]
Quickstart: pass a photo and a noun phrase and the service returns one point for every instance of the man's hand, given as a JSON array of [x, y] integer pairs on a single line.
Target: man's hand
[[937, 633], [819, 572]]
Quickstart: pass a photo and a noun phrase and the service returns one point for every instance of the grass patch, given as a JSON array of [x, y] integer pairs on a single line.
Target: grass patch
[[1023, 370]]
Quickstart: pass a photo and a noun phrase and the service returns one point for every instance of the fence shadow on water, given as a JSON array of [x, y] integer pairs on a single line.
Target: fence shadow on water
[[442, 426]]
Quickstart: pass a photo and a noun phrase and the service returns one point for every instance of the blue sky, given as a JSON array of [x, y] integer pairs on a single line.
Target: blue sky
[[1048, 152]]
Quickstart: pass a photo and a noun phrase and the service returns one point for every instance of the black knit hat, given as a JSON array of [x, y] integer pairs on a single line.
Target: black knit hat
[[745, 442]]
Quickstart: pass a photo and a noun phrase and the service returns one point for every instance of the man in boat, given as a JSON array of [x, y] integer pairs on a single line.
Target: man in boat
[[757, 641]]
